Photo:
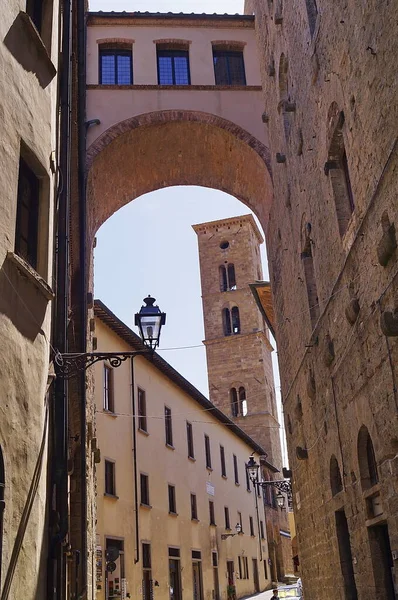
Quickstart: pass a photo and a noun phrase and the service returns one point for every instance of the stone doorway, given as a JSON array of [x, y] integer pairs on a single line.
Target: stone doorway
[[381, 556]]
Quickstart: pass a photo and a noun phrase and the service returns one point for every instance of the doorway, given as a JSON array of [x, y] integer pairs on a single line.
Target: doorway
[[344, 544], [197, 580], [255, 575], [175, 574], [216, 583], [380, 551], [231, 590]]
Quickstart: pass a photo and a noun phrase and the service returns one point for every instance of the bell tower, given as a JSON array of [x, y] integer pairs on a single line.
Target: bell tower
[[238, 348]]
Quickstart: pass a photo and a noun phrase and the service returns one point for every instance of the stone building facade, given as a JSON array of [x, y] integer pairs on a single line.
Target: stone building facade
[[238, 352], [331, 112], [171, 483]]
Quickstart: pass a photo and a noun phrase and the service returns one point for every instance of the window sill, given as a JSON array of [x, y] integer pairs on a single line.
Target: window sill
[[170, 446], [195, 520], [212, 525], [143, 431], [25, 44], [110, 413], [27, 271], [224, 476], [237, 483], [209, 468], [147, 506], [173, 514], [222, 88], [192, 458], [111, 496], [371, 490]]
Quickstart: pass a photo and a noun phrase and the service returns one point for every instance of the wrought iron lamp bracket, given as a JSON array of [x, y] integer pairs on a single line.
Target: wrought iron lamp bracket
[[69, 364], [282, 485]]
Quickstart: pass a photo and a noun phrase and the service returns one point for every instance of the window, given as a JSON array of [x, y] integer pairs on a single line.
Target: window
[[147, 591], [251, 524], [236, 474], [242, 402], [262, 530], [191, 452], [243, 567], [144, 486], [34, 9], [109, 404], [173, 67], [310, 281], [168, 426], [312, 12], [229, 67], [226, 515], [336, 483], [227, 278], [27, 224], [142, 422], [240, 521], [247, 480], [207, 452], [231, 321], [110, 484], [234, 402], [337, 169], [222, 459], [211, 513], [175, 573], [114, 547], [194, 508], [367, 459], [172, 500], [116, 66]]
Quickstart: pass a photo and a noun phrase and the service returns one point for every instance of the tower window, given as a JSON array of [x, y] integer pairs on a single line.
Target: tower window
[[234, 402], [173, 67], [238, 402], [229, 68], [224, 245], [226, 318], [116, 66], [227, 278], [242, 401], [235, 320]]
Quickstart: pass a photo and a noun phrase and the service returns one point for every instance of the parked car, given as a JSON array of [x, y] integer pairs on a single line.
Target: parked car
[[289, 591]]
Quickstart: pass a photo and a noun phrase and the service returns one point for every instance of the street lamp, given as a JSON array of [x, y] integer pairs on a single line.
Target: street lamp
[[282, 485], [238, 529], [149, 321]]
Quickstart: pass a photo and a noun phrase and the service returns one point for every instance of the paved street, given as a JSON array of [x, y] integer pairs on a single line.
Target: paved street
[[262, 596]]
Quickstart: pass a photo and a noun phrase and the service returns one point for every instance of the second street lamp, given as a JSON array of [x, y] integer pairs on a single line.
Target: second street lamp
[[282, 485]]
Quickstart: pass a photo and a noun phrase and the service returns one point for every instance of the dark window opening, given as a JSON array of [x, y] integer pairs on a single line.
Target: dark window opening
[[226, 319], [142, 420], [234, 402], [226, 516], [144, 487], [211, 513], [336, 483], [247, 480], [236, 473], [310, 282], [242, 402], [194, 508], [382, 561], [367, 459], [262, 530], [172, 499], [168, 426], [116, 67], [34, 9], [109, 404], [196, 555], [312, 12], [227, 278], [207, 452], [251, 526], [235, 320], [346, 565], [110, 483], [27, 224], [147, 583], [224, 245], [222, 458], [191, 451], [173, 67], [238, 402], [229, 68]]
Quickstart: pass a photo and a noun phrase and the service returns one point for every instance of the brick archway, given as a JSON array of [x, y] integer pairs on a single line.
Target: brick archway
[[175, 147]]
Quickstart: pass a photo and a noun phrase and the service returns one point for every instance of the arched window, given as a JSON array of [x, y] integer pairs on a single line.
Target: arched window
[[227, 278], [226, 321], [234, 402], [337, 169], [242, 402], [312, 13], [235, 320], [223, 279], [336, 482], [367, 459], [2, 505]]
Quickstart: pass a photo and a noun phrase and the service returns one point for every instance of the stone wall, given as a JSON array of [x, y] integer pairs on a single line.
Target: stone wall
[[330, 86]]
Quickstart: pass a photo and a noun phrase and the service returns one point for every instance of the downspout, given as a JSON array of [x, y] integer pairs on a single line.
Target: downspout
[[81, 116], [60, 468], [136, 508]]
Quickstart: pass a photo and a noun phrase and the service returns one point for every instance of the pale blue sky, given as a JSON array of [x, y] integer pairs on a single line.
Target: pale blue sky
[[205, 6]]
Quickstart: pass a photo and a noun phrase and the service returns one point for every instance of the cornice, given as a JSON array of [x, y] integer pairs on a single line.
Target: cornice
[[111, 19]]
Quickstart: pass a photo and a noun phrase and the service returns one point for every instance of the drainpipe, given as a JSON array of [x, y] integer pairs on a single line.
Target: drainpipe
[[136, 507], [57, 562]]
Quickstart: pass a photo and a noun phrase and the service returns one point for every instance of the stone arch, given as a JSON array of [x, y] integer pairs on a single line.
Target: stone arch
[[156, 150], [366, 459], [336, 482]]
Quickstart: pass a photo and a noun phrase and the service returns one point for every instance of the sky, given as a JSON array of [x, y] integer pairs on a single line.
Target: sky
[[204, 6]]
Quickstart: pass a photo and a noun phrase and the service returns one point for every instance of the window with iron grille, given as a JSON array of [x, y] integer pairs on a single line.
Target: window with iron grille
[[229, 67], [191, 451], [142, 420], [27, 223], [251, 525], [172, 500], [222, 458], [173, 67], [110, 484], [262, 530], [194, 508], [108, 389], [236, 473], [116, 66], [211, 513], [168, 426], [226, 515], [207, 452], [144, 486]]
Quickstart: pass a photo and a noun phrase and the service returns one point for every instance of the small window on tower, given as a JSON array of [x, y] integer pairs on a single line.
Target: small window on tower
[[235, 320], [224, 245]]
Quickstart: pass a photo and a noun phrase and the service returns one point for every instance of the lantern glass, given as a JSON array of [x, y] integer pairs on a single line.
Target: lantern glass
[[149, 321], [252, 468], [280, 500], [238, 528]]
